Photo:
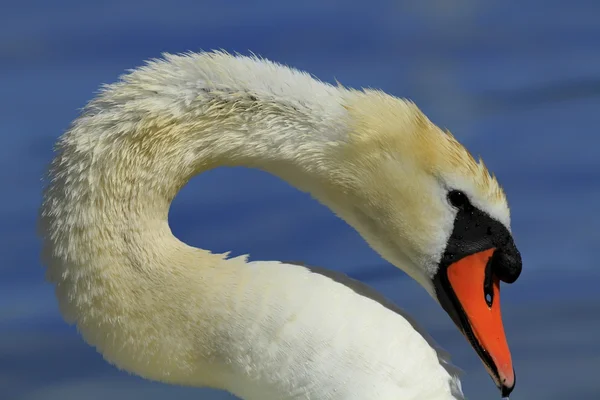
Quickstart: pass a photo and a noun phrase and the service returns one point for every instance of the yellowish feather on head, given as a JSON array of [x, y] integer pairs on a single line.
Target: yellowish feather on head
[[384, 124]]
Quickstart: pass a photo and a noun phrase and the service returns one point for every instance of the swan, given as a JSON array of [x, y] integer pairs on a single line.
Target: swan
[[159, 308]]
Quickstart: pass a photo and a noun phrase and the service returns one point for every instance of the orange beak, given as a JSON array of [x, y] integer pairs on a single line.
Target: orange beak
[[472, 298]]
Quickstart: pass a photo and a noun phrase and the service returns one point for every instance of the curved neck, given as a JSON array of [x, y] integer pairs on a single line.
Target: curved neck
[[132, 288], [134, 148]]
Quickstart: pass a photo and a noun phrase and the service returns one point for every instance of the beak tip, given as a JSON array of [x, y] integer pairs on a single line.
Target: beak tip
[[506, 391], [508, 384]]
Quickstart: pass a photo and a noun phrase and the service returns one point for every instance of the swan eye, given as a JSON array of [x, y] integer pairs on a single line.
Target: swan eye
[[458, 199]]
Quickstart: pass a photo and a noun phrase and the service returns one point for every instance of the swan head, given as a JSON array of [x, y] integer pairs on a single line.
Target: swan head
[[426, 205]]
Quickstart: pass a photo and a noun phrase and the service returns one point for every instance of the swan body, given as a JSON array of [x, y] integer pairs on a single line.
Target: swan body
[[166, 311]]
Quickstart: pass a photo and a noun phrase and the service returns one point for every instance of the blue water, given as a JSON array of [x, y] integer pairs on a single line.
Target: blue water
[[517, 82]]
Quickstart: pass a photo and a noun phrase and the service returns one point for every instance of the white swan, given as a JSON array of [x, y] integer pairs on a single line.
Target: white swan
[[166, 311]]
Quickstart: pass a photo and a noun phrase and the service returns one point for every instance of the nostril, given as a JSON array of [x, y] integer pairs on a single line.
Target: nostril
[[488, 283]]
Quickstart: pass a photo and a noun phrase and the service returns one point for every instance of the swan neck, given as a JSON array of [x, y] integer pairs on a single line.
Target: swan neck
[[120, 274]]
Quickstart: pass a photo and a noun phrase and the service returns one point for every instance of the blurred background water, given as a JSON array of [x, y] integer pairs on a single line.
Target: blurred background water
[[517, 82]]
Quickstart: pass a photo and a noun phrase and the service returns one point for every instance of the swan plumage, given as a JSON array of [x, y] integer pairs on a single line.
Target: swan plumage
[[166, 311]]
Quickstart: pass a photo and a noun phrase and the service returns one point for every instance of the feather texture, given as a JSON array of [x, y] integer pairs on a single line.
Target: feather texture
[[262, 330]]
